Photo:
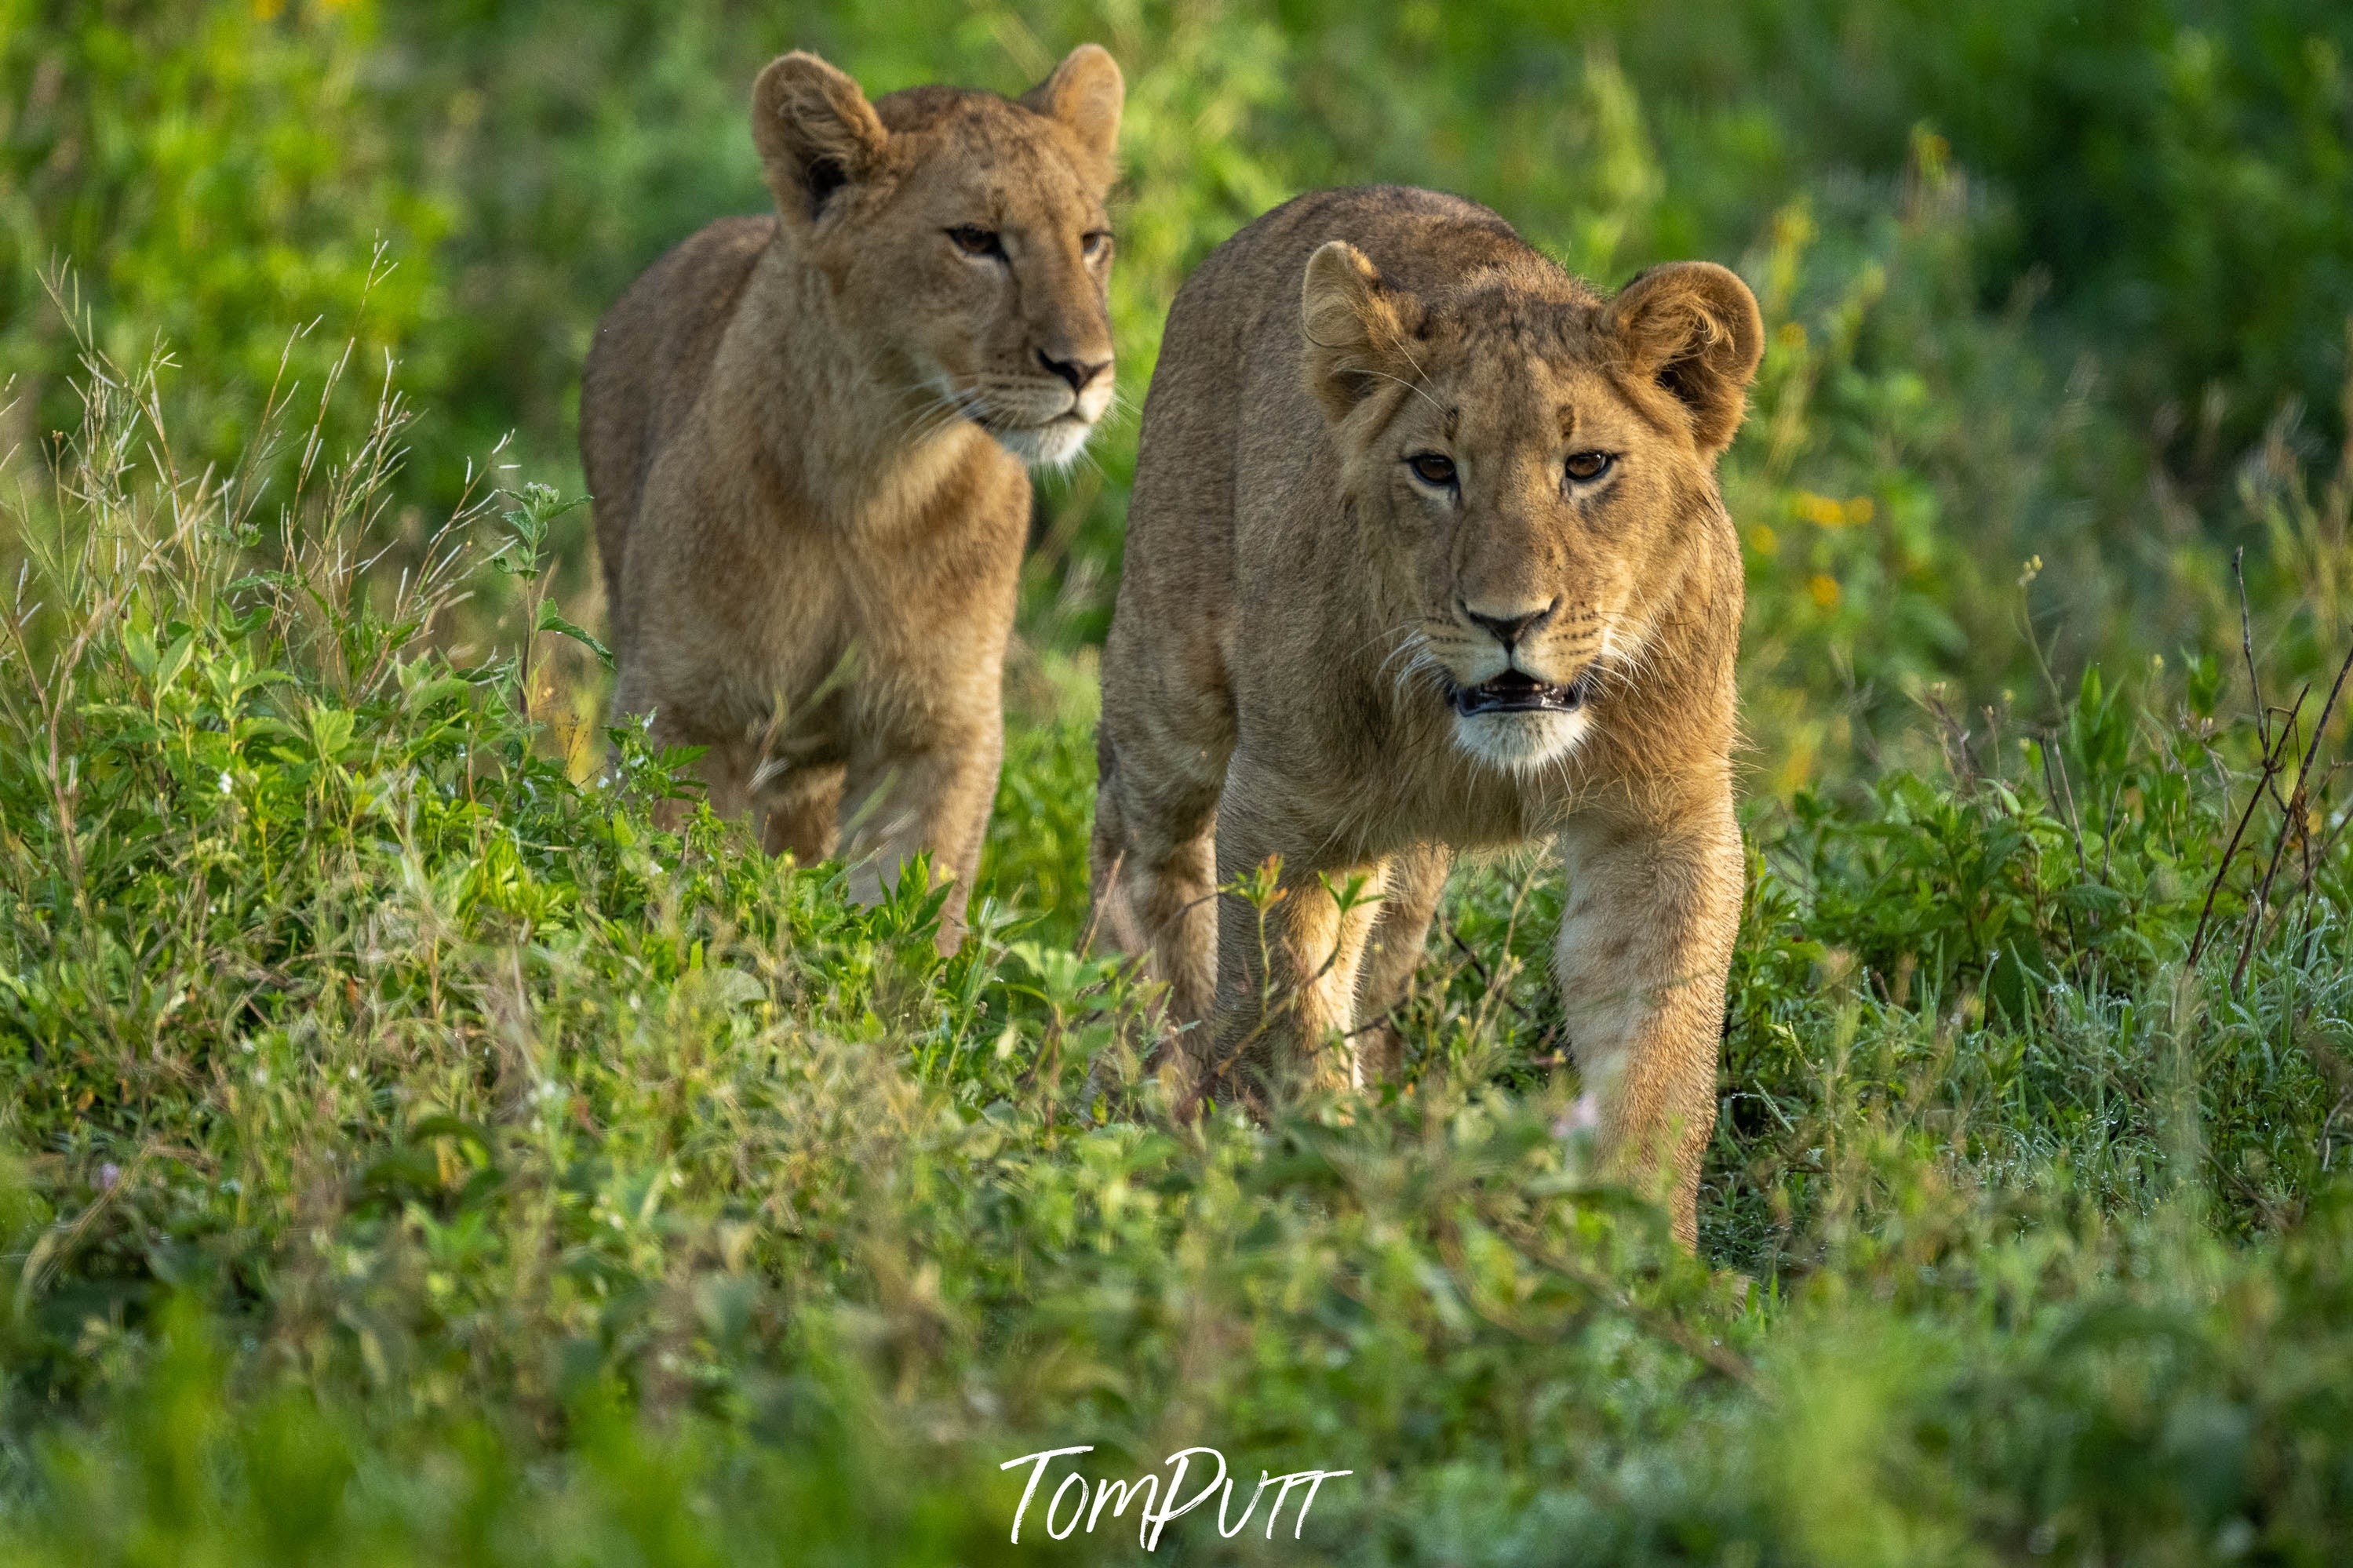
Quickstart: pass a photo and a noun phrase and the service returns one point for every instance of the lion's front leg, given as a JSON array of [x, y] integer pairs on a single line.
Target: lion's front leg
[[1288, 963], [1155, 888], [726, 767], [801, 813], [923, 716], [1414, 882], [906, 796], [1645, 945]]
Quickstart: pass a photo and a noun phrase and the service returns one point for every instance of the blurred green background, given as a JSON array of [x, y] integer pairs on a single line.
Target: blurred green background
[[2054, 281]]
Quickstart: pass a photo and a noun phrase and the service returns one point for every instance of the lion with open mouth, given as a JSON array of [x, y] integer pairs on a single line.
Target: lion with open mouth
[[1426, 554]]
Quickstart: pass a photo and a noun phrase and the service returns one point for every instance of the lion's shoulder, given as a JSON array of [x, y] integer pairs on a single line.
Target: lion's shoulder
[[679, 306], [649, 357]]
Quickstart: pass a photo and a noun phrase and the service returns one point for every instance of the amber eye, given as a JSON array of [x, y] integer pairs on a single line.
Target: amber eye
[[1433, 468], [1096, 244], [1586, 467], [975, 240]]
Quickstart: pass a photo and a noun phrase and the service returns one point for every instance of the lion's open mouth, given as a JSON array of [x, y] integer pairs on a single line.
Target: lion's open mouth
[[998, 424], [1516, 691]]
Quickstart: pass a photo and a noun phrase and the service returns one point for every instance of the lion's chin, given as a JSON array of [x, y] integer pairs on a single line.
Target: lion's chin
[[1054, 445], [1521, 741]]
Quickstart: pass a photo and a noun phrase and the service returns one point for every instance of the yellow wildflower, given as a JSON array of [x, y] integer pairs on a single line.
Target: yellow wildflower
[[1820, 511]]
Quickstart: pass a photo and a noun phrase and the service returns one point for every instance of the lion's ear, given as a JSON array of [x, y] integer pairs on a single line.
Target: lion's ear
[[1692, 327], [1354, 328], [815, 130], [1085, 93]]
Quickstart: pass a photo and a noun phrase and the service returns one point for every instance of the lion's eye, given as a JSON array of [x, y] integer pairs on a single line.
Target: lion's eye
[[975, 240], [1434, 468], [1096, 244], [1586, 467]]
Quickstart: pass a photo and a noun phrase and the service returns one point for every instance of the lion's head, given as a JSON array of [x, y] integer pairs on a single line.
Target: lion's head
[[1534, 461], [964, 233]]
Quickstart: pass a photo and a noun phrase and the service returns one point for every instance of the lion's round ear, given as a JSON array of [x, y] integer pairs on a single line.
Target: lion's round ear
[[1694, 328], [815, 130], [1085, 93], [1354, 325]]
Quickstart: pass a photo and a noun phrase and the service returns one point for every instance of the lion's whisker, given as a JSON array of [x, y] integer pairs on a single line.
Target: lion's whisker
[[1410, 386]]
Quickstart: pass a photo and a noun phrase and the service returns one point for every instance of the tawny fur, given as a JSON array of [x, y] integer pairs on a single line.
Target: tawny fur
[[805, 436], [1298, 608]]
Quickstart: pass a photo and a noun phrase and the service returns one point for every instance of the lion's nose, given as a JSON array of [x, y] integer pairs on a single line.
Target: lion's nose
[[1508, 626], [1077, 373]]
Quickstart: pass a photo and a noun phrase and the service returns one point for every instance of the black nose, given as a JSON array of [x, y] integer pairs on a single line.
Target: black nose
[[1077, 373], [1510, 629]]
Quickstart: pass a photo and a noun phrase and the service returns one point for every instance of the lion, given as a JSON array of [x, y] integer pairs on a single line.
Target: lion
[[807, 437], [1426, 554]]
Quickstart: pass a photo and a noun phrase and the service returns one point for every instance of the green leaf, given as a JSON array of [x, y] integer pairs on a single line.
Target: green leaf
[[173, 660], [331, 732], [552, 620]]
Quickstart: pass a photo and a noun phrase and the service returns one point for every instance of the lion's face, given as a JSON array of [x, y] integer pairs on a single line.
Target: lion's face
[[1532, 462], [966, 233]]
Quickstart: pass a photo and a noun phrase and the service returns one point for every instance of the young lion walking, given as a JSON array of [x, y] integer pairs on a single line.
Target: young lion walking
[[1426, 554], [806, 433]]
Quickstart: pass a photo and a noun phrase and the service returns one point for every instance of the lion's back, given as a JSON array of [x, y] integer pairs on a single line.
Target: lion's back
[[647, 367]]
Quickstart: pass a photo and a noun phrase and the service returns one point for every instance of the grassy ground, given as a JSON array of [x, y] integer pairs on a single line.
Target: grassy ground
[[410, 1154]]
